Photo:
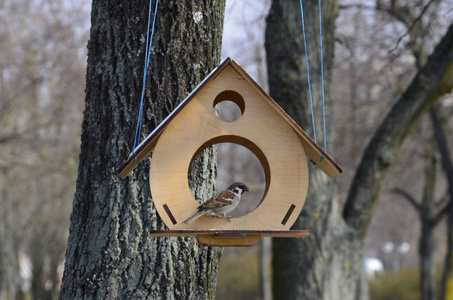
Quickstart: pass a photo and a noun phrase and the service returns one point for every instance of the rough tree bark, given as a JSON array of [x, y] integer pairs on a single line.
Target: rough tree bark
[[328, 264], [447, 165], [110, 254]]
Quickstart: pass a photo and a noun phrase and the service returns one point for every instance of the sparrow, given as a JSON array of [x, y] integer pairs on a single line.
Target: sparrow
[[221, 204]]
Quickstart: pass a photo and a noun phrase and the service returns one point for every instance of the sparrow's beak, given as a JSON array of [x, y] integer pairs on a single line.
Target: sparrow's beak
[[246, 189]]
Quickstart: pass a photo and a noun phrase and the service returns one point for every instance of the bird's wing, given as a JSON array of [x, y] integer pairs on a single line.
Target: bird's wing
[[220, 200]]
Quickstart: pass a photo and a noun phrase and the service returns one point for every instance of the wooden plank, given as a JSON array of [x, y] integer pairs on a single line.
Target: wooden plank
[[261, 129], [147, 145], [313, 151], [230, 233], [139, 155], [212, 241], [230, 238]]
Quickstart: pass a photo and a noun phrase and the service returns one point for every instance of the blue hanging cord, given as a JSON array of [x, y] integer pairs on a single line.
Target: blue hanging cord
[[322, 80], [149, 43], [308, 70]]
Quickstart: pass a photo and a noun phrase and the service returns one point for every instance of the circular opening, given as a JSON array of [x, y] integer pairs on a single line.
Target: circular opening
[[229, 106], [227, 111], [237, 162]]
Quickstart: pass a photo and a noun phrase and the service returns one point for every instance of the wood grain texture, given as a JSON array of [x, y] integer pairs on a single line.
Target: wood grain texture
[[261, 129], [230, 238], [264, 128], [313, 151], [148, 144], [229, 233]]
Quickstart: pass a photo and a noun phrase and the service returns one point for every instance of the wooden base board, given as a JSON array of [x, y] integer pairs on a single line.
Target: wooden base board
[[230, 238]]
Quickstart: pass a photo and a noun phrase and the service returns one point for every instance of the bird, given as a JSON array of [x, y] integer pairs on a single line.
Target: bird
[[222, 203]]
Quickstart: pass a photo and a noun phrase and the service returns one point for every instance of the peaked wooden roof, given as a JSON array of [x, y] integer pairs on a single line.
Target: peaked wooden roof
[[313, 151]]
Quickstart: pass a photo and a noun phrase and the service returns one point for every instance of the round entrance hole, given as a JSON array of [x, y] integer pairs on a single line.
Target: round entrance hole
[[235, 163], [229, 106]]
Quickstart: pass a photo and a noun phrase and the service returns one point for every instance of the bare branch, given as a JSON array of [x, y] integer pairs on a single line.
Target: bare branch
[[359, 5], [442, 208], [431, 82], [408, 197], [411, 27]]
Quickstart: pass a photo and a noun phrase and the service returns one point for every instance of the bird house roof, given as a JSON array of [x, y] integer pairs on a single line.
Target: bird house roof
[[312, 150]]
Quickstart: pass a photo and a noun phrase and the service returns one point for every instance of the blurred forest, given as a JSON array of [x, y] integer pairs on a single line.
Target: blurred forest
[[42, 78], [380, 46]]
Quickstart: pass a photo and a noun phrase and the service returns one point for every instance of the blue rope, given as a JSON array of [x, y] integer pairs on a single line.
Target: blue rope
[[322, 80], [149, 43], [308, 70]]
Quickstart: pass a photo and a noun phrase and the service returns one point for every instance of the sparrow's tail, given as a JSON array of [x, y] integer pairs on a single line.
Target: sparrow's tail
[[195, 216]]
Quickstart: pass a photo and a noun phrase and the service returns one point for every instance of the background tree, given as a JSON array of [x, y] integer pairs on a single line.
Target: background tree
[[404, 35], [110, 253], [41, 70], [447, 165], [320, 266], [430, 213], [328, 264]]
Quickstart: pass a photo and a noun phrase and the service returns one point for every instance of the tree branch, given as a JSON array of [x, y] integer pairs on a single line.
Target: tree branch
[[441, 139], [408, 197], [447, 165], [442, 209], [432, 81], [411, 27], [358, 5]]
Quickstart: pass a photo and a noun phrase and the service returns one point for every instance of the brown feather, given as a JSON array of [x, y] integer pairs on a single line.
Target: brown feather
[[221, 199]]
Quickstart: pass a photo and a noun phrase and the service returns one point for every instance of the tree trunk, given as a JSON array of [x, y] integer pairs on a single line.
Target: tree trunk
[[426, 250], [38, 274], [110, 254], [431, 82], [430, 215], [265, 268], [429, 218], [447, 165], [8, 253], [328, 264], [7, 260]]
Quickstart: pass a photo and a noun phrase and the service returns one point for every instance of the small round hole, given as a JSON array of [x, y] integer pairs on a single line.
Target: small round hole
[[227, 111], [229, 106]]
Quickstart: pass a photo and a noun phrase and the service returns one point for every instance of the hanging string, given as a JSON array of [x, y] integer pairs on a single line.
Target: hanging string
[[308, 74], [322, 79], [308, 70], [149, 43]]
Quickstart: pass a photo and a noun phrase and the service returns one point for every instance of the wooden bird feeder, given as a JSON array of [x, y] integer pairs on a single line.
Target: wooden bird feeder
[[264, 128]]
